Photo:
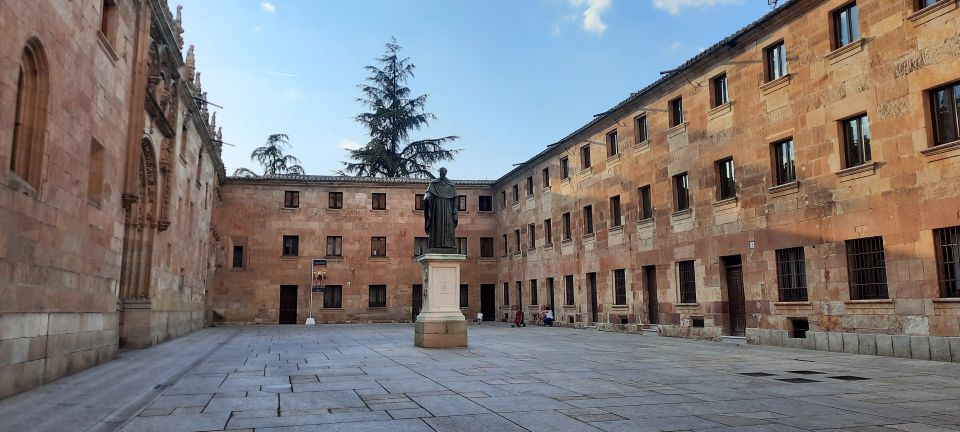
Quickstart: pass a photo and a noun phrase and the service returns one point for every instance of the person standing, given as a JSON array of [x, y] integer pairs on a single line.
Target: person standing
[[479, 318]]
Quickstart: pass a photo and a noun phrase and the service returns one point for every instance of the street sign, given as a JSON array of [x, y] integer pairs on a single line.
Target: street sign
[[318, 288]]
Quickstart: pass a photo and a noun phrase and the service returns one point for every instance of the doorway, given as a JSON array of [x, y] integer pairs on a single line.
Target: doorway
[[592, 286], [288, 304], [488, 301], [653, 305], [552, 298], [416, 301], [736, 303]]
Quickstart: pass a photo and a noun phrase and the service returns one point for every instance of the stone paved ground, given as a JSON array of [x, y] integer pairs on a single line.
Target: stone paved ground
[[371, 378]]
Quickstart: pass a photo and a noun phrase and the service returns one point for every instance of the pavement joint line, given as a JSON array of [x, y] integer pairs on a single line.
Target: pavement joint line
[[123, 415]]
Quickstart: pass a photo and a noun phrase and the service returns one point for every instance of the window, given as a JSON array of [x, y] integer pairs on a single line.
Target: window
[[108, 20], [461, 203], [335, 200], [529, 183], [945, 106], [516, 239], [719, 86], [520, 294], [926, 3], [616, 218], [846, 27], [334, 246], [379, 201], [238, 257], [461, 245], [533, 292], [867, 269], [291, 245], [532, 236], [486, 247], [585, 157], [568, 290], [646, 204], [95, 174], [856, 141], [503, 199], [792, 274], [726, 182], [485, 203], [332, 297], [613, 147], [784, 165], [776, 56], [516, 193], [419, 246], [26, 158], [948, 260], [620, 287], [505, 247], [547, 232], [506, 294], [545, 177], [464, 295], [676, 112], [588, 219], [640, 128], [800, 327], [681, 189], [378, 296], [418, 202], [567, 229], [378, 246], [564, 168], [687, 280], [291, 199]]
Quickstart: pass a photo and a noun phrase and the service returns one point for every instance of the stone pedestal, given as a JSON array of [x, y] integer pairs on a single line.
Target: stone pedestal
[[440, 323]]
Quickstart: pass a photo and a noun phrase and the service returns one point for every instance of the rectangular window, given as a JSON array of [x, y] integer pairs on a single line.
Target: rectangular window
[[379, 201], [503, 199], [926, 3], [533, 292], [108, 20], [529, 183], [332, 297], [792, 274], [485, 203], [506, 294], [681, 192], [616, 214], [620, 287], [464, 295], [334, 246], [784, 164], [646, 203], [568, 290], [567, 229], [516, 240], [378, 296], [867, 269], [238, 257], [545, 177], [547, 232], [585, 157], [516, 193], [588, 219], [486, 247], [419, 246], [291, 199], [948, 260], [687, 280], [676, 112], [95, 174], [640, 128], [291, 245], [461, 203], [856, 141], [335, 200], [846, 26], [378, 246], [532, 236], [776, 57], [945, 106], [505, 247], [564, 168], [719, 85], [462, 245], [726, 182], [418, 202], [613, 147], [520, 294]]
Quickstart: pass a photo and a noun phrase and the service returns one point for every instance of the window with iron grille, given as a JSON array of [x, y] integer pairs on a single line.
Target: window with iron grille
[[334, 246], [616, 215], [620, 287], [948, 258], [681, 188], [464, 295], [613, 146], [568, 290], [516, 193], [726, 184], [867, 269], [532, 236], [461, 203], [485, 203], [688, 282], [529, 182], [545, 177], [646, 202], [846, 26], [333, 297], [378, 246], [378, 296], [776, 56], [506, 293], [564, 168], [462, 246], [585, 157], [380, 201], [516, 240], [533, 292], [784, 164], [567, 229], [588, 219], [719, 85], [486, 247], [335, 200], [291, 199], [676, 112], [640, 128], [548, 232], [945, 107], [291, 245], [238, 257], [792, 274], [419, 246], [856, 141]]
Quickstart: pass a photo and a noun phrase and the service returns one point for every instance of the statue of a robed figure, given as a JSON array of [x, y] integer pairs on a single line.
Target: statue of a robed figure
[[440, 215]]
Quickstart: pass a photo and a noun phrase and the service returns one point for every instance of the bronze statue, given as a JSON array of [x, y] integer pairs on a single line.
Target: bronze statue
[[440, 215]]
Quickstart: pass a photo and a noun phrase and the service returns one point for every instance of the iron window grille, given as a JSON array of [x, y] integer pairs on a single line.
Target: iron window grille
[[291, 199], [792, 274], [727, 185], [681, 186], [378, 246], [948, 256], [568, 290], [291, 245], [688, 284], [846, 26], [588, 219], [378, 296], [776, 56], [620, 287], [646, 203], [613, 146], [640, 128], [867, 269], [676, 112], [332, 297], [720, 90], [334, 246], [784, 163], [616, 216], [379, 201], [464, 295], [945, 107], [486, 247], [335, 200], [856, 141]]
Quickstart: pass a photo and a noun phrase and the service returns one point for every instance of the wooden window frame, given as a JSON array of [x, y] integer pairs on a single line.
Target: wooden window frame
[[585, 161], [719, 90], [726, 178], [616, 212], [564, 168], [588, 219], [775, 61], [334, 247], [291, 199], [335, 200], [640, 128], [858, 125], [676, 111], [377, 243], [645, 197], [783, 174], [293, 248], [681, 192], [378, 201], [845, 19], [952, 91], [486, 247], [791, 274], [613, 143], [377, 296], [568, 290], [333, 297]]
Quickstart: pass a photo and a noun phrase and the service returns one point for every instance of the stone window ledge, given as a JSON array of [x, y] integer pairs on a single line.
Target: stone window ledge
[[777, 84], [289, 257], [530, 197], [380, 212], [569, 306], [784, 189], [613, 159], [645, 223], [949, 149], [290, 209], [930, 12], [687, 305], [333, 257], [589, 237], [377, 308], [517, 253], [586, 171], [516, 205], [793, 304], [642, 146], [548, 246], [947, 300], [546, 189], [682, 214], [619, 307], [379, 258], [339, 309], [616, 229], [566, 242], [480, 212], [845, 51], [869, 304], [677, 130], [726, 203], [859, 171], [340, 210], [720, 110], [565, 180]]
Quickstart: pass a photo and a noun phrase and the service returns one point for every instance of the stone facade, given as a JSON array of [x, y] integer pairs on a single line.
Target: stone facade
[[85, 151]]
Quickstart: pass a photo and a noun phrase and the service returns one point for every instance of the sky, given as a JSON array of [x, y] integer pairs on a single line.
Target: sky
[[509, 77]]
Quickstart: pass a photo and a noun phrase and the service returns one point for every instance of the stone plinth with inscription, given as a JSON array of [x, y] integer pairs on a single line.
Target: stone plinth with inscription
[[440, 323]]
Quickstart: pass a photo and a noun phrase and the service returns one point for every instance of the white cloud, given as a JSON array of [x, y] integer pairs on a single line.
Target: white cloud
[[674, 7], [267, 7], [555, 30], [592, 19], [258, 29], [348, 144], [677, 46]]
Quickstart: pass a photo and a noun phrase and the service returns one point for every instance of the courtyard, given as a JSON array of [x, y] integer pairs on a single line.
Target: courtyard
[[371, 378]]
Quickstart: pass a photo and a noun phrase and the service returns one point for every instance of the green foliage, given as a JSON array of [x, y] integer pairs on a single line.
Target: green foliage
[[272, 159], [393, 115]]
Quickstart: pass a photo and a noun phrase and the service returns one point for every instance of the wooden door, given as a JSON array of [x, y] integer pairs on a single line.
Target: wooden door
[[488, 301], [288, 304], [592, 285], [736, 304], [653, 305]]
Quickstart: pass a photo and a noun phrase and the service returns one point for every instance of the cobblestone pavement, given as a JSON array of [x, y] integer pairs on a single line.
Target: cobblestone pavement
[[371, 378]]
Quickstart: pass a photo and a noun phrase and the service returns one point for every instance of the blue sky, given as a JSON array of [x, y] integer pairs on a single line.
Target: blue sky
[[508, 76]]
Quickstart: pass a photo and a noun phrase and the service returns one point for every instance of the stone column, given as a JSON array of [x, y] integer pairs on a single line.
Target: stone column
[[440, 323]]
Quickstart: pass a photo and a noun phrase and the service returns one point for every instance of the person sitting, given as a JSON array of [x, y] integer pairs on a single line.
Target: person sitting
[[548, 318], [518, 319]]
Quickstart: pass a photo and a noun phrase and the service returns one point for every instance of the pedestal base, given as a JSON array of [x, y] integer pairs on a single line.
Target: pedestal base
[[440, 323], [441, 334]]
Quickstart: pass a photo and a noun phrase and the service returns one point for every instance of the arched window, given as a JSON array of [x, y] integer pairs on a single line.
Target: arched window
[[30, 121]]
